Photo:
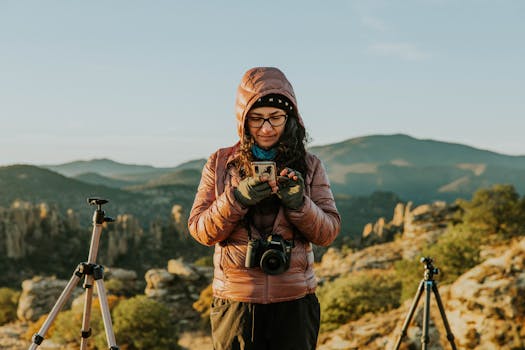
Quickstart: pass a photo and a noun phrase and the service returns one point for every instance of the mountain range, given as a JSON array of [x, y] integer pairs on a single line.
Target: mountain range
[[368, 176], [415, 169]]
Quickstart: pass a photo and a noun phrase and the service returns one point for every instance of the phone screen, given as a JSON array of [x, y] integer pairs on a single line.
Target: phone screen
[[264, 168]]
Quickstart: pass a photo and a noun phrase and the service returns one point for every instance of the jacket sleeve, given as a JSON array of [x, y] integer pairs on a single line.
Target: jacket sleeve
[[212, 218], [318, 219]]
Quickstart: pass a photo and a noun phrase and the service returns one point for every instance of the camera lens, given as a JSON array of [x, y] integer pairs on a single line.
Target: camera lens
[[273, 262]]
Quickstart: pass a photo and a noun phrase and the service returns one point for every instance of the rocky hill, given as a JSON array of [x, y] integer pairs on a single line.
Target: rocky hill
[[484, 306]]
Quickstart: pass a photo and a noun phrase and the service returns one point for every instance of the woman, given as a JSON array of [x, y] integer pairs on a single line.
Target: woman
[[265, 300]]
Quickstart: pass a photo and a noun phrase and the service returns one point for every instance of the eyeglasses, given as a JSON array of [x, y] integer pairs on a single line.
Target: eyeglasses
[[276, 120]]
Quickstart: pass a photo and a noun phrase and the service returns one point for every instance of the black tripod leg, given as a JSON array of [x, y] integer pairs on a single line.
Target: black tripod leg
[[410, 314], [426, 316], [66, 293], [450, 336]]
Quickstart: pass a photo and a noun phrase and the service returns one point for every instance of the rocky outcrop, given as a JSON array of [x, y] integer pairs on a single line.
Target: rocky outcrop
[[40, 294], [38, 297], [486, 305], [336, 263], [24, 223], [124, 235], [427, 218], [416, 227], [409, 222], [178, 286], [485, 308]]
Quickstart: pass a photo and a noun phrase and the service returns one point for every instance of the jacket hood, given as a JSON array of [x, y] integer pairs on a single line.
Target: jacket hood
[[258, 82]]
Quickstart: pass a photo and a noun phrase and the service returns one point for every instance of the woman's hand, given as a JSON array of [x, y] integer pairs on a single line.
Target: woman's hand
[[252, 190], [291, 188]]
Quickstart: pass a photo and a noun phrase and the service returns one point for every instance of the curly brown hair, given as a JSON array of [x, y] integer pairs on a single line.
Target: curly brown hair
[[291, 149]]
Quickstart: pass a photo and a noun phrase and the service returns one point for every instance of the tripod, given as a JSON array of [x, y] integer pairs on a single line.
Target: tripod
[[92, 272], [427, 284]]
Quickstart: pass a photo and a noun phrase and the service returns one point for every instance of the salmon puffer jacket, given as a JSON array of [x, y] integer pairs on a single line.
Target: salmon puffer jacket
[[217, 218]]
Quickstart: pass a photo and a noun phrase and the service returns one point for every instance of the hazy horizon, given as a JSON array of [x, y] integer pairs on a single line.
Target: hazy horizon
[[190, 160]]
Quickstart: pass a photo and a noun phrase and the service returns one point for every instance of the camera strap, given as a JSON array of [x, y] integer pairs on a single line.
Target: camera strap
[[247, 221], [247, 224]]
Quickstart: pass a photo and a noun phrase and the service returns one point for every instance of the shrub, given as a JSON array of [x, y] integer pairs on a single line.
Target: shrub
[[409, 273], [142, 323], [496, 210], [34, 327], [206, 261], [350, 297], [68, 324], [8, 305], [455, 252], [203, 306]]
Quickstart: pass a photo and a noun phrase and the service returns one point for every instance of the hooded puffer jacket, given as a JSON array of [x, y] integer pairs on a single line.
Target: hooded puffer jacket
[[216, 217]]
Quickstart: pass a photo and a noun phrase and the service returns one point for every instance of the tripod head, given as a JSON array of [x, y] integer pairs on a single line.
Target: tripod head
[[99, 215], [430, 269], [97, 201]]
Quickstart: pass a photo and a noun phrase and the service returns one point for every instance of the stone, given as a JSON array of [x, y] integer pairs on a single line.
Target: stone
[[38, 297], [185, 271]]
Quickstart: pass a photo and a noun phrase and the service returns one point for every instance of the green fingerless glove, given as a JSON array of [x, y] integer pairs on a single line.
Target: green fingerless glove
[[291, 192], [251, 191]]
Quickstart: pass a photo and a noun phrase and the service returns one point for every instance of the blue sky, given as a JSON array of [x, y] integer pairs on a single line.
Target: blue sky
[[153, 82]]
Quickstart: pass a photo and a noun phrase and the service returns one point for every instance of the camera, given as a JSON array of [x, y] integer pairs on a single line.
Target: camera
[[272, 254], [429, 267]]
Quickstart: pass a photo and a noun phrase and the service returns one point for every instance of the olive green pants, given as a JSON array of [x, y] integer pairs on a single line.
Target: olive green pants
[[290, 325]]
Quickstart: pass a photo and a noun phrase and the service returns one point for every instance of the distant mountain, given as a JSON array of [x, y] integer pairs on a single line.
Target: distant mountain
[[105, 167], [186, 176], [418, 170], [35, 185], [414, 169], [113, 174], [404, 150], [97, 179]]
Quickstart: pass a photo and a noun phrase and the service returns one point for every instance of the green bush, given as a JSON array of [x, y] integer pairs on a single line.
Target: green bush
[[68, 324], [498, 209], [8, 305], [206, 261], [203, 306], [455, 252], [138, 323], [142, 323], [350, 297], [409, 273]]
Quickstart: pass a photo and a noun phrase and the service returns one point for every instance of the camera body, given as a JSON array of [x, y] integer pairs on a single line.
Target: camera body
[[430, 269], [271, 254]]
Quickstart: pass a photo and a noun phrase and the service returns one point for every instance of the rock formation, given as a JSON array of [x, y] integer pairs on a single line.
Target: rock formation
[[485, 306], [38, 297], [179, 287]]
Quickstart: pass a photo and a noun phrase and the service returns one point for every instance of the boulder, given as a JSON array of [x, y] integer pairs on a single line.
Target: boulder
[[184, 271], [38, 297]]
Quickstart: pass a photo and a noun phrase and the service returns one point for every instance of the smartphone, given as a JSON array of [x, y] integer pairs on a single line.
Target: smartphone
[[264, 168]]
